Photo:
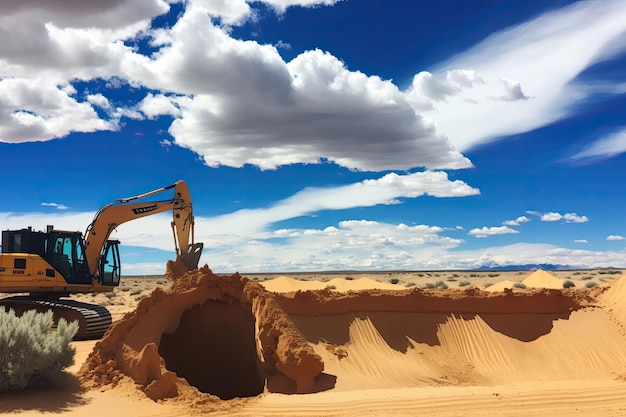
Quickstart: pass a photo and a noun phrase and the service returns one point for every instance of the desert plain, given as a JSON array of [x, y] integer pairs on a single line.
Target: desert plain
[[392, 343]]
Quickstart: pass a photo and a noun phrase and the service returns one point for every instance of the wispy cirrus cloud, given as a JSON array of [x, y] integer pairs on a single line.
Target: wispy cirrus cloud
[[55, 205], [606, 147], [533, 67]]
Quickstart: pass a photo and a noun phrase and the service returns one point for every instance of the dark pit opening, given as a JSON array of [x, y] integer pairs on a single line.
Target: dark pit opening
[[214, 349]]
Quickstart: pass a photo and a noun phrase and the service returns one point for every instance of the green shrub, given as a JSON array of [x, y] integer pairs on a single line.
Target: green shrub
[[568, 284], [31, 353], [591, 284], [410, 284], [394, 281], [464, 283], [349, 278], [519, 285]]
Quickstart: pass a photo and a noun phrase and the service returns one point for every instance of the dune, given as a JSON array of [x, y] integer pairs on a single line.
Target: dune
[[284, 284], [501, 286], [226, 345], [542, 279]]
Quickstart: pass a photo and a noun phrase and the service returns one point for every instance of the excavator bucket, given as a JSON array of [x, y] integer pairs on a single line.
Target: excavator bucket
[[191, 258]]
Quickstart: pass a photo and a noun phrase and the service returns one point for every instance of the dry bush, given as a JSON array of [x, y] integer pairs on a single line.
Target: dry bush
[[31, 353]]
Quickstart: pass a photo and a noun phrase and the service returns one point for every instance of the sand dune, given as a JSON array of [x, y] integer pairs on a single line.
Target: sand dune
[[283, 284], [542, 279], [356, 347]]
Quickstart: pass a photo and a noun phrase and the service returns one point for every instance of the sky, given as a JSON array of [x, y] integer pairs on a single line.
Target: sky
[[323, 135]]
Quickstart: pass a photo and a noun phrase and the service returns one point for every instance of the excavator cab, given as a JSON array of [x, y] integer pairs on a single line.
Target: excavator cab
[[65, 251]]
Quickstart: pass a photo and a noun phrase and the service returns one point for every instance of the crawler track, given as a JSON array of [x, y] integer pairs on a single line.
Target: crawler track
[[94, 320]]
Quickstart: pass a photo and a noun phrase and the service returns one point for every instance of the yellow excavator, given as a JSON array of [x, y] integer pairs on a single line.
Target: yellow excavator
[[53, 264]]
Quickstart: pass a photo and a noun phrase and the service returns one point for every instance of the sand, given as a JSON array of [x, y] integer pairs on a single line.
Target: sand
[[373, 344]]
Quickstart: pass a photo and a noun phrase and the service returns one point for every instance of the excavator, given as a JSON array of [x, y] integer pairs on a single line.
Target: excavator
[[54, 264]]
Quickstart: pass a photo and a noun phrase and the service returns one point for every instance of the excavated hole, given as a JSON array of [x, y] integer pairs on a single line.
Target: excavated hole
[[214, 349]]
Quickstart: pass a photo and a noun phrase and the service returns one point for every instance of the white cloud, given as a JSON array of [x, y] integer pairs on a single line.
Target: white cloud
[[32, 110], [55, 205], [606, 147], [551, 217], [516, 222], [512, 91], [246, 237], [309, 109], [385, 190], [160, 104], [533, 253], [540, 58], [439, 86], [555, 217], [305, 111], [615, 237], [96, 14], [491, 231], [574, 218], [581, 241]]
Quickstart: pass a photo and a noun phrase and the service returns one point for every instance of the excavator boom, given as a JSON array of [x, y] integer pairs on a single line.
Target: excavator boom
[[126, 209]]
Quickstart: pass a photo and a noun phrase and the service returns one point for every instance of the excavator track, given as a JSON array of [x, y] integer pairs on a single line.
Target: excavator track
[[93, 319]]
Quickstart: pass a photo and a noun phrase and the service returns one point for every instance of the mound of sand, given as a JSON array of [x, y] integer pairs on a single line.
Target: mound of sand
[[542, 279], [501, 286], [224, 334]]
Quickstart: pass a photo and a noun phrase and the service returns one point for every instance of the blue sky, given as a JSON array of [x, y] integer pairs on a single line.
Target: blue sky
[[321, 134]]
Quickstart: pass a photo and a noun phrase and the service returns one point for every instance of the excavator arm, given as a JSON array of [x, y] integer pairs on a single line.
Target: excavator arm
[[126, 209]]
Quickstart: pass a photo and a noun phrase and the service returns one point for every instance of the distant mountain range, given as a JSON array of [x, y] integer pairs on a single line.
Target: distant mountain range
[[525, 267]]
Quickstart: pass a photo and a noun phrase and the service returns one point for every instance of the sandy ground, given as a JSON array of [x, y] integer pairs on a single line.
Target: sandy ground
[[379, 360]]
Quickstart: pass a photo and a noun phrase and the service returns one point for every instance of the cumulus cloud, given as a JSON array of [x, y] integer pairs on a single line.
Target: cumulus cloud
[[34, 110], [615, 237], [581, 241], [234, 102], [309, 109], [555, 217], [439, 86], [517, 221], [491, 231], [512, 91], [607, 147]]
